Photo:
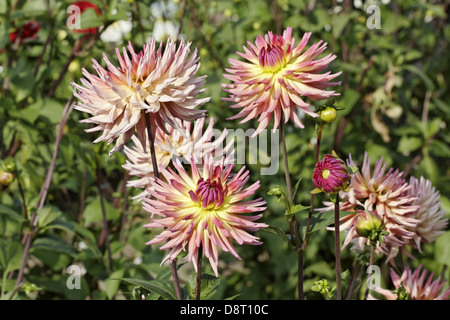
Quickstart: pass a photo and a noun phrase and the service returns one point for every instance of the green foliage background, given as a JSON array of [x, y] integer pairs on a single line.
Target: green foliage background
[[394, 90]]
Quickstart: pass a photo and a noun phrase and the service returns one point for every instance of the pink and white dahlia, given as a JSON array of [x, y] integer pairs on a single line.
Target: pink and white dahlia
[[386, 193], [276, 77], [204, 208], [192, 141], [412, 286], [158, 81], [429, 213]]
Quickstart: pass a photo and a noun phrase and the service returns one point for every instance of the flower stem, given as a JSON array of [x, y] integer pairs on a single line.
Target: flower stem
[[105, 220], [337, 244], [199, 273], [28, 237], [173, 263], [372, 251], [293, 225], [311, 209]]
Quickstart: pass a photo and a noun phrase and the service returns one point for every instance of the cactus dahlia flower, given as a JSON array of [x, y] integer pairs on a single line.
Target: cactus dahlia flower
[[204, 208], [191, 142], [158, 82], [275, 77], [412, 286], [430, 215], [386, 193], [331, 174]]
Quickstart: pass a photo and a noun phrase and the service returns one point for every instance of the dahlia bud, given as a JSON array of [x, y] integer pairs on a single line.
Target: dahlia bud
[[370, 225], [329, 114], [6, 178], [331, 175]]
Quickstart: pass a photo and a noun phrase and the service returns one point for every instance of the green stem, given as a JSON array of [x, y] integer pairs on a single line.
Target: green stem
[[311, 209], [337, 244], [199, 274], [372, 251], [173, 263]]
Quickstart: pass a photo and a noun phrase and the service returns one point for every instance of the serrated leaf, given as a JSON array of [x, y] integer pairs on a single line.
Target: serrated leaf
[[164, 288]]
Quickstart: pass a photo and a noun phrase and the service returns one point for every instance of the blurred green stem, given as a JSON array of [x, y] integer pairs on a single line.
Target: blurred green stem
[[28, 237], [199, 273], [311, 209], [372, 251], [173, 263], [337, 247]]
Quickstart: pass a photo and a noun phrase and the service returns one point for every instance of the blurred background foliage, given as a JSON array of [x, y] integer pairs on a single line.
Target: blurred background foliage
[[394, 91]]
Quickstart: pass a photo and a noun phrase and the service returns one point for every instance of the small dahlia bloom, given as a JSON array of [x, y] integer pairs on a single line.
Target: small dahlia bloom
[[331, 174], [159, 82], [276, 77], [386, 193], [429, 213], [412, 286], [204, 208], [192, 141], [28, 31]]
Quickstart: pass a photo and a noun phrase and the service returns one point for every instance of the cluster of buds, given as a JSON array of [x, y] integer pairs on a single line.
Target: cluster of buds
[[323, 287]]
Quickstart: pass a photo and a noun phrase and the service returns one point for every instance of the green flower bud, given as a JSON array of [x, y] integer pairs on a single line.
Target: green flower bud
[[368, 222], [328, 114], [6, 178]]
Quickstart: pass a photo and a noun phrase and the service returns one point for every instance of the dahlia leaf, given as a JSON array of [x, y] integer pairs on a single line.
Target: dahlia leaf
[[162, 287]]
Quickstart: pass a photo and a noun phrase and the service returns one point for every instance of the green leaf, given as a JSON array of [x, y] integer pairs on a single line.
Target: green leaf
[[425, 78], [93, 212], [409, 144], [53, 243], [10, 256], [209, 285], [278, 232], [319, 221], [112, 285], [47, 215], [442, 249], [296, 208], [11, 213], [90, 19], [164, 288]]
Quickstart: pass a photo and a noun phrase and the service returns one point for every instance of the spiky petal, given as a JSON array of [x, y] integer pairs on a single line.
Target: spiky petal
[[159, 81], [412, 286], [276, 77], [204, 208], [191, 141], [432, 222]]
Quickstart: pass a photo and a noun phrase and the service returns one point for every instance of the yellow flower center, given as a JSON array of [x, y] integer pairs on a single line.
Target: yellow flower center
[[272, 59], [326, 173]]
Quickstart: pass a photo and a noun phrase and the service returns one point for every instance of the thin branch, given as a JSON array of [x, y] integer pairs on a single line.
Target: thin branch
[[28, 237]]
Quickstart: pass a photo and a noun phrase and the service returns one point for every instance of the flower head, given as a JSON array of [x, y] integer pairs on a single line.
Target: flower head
[[191, 142], [204, 208], [386, 193], [331, 174], [160, 83], [412, 286], [429, 213], [28, 31], [275, 77]]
